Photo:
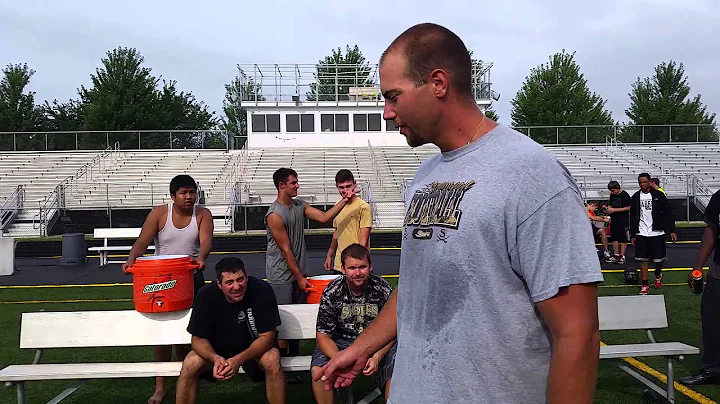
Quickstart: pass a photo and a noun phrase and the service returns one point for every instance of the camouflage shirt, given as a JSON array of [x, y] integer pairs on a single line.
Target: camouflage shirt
[[343, 315]]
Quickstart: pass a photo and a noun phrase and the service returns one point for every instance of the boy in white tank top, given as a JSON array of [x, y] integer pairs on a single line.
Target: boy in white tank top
[[177, 228]]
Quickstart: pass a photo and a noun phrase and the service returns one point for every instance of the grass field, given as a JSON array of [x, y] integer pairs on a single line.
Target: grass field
[[613, 385]]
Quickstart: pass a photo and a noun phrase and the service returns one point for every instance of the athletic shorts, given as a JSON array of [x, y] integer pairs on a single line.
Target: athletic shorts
[[289, 293], [385, 367], [650, 248], [198, 282], [619, 233], [251, 368]]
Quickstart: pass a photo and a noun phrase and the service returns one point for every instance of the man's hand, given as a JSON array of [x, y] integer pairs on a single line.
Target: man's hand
[[372, 366], [328, 263], [218, 366], [342, 369], [673, 237], [200, 263], [127, 265], [610, 210], [349, 193], [632, 241], [302, 283], [230, 369]]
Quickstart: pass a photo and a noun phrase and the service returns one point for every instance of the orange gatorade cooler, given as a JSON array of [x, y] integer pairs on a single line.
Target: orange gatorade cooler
[[163, 283], [316, 286]]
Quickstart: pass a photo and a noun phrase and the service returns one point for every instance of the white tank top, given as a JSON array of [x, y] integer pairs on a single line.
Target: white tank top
[[173, 241]]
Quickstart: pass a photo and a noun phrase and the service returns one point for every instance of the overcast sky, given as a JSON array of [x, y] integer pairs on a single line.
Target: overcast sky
[[199, 43]]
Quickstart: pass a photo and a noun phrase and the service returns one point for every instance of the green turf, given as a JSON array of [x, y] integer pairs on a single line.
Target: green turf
[[613, 385]]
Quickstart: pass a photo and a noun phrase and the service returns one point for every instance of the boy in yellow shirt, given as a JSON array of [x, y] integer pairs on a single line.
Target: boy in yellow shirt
[[352, 225]]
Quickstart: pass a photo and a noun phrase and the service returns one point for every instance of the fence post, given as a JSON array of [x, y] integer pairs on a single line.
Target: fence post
[[697, 134], [557, 135], [670, 134], [586, 135]]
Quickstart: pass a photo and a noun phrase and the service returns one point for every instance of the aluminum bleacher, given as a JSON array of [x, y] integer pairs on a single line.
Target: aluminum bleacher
[[127, 179], [40, 172]]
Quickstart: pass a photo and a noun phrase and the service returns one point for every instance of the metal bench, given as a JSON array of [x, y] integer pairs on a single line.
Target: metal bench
[[115, 234], [129, 328], [641, 313]]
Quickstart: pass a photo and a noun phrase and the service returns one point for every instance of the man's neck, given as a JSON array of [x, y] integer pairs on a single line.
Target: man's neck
[[176, 209], [461, 127], [284, 199], [357, 292]]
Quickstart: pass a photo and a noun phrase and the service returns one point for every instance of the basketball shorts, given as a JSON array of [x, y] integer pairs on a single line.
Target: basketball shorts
[[650, 248], [619, 233]]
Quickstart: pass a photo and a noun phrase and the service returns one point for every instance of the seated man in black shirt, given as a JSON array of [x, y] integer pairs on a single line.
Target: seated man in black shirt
[[233, 324], [347, 306]]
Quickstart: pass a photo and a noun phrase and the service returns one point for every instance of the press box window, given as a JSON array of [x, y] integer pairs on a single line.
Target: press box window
[[390, 126], [300, 122], [367, 122], [266, 123], [334, 122]]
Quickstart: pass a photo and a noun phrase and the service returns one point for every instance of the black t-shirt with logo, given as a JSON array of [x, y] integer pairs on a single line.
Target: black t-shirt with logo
[[232, 327], [712, 218], [621, 200], [342, 315]]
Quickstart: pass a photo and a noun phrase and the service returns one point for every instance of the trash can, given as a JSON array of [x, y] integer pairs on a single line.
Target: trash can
[[7, 256], [74, 249]]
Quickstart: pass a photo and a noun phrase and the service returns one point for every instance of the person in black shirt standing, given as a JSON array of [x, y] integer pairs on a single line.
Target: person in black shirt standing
[[233, 324], [650, 220], [619, 211], [709, 371]]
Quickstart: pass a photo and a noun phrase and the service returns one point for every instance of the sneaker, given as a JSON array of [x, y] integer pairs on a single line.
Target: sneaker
[[612, 260], [644, 290], [658, 282], [607, 255], [621, 260]]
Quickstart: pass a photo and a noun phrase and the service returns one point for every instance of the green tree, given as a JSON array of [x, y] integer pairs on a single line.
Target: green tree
[[338, 72], [181, 111], [60, 117], [557, 94], [125, 96], [18, 112], [235, 119], [664, 99], [491, 113]]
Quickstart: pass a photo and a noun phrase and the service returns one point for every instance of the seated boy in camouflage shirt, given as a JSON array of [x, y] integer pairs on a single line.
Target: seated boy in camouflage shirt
[[348, 305]]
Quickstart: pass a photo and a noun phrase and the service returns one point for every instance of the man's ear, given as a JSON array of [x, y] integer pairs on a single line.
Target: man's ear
[[440, 81]]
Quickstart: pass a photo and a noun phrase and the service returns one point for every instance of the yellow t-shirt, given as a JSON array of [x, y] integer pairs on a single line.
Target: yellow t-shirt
[[348, 223]]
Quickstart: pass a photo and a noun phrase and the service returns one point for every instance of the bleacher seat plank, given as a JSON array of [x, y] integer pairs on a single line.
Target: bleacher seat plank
[[72, 371], [644, 350]]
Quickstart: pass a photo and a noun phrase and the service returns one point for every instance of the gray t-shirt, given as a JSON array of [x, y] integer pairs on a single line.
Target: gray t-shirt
[[490, 229], [276, 266]]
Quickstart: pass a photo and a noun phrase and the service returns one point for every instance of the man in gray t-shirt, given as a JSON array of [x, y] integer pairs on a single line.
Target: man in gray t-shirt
[[497, 295]]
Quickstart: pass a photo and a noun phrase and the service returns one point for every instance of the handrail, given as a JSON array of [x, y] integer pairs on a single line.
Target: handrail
[[375, 163], [12, 207]]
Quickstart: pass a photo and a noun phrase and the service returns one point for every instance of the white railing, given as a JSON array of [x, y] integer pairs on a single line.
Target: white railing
[[11, 207]]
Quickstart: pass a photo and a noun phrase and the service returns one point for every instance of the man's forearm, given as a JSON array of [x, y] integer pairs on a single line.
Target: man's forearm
[[326, 345], [706, 247], [333, 247], [381, 331], [330, 214], [384, 351], [292, 264], [573, 370], [256, 350], [204, 251], [204, 349]]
